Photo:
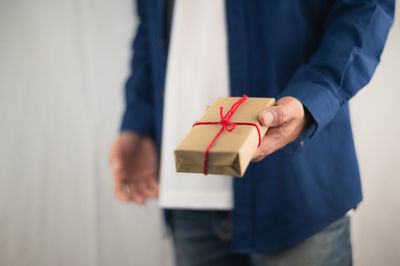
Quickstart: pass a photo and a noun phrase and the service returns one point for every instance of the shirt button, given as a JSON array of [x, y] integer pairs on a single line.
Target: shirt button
[[302, 144], [161, 43], [162, 93]]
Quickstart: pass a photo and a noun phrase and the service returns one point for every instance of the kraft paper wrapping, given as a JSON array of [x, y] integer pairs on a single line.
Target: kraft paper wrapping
[[232, 151]]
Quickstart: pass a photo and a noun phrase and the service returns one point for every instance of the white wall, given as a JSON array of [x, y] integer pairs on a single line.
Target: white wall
[[62, 68], [376, 129]]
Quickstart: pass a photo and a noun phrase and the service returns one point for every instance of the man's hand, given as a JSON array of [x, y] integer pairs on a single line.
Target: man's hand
[[134, 163], [286, 119]]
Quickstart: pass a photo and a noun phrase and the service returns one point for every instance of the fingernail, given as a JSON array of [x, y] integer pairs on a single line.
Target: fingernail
[[268, 118]]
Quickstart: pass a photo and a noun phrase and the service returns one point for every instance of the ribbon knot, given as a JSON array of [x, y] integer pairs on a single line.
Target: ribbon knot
[[226, 125]]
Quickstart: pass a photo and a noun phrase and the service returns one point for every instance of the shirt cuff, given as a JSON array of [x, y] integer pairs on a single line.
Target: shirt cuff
[[321, 104]]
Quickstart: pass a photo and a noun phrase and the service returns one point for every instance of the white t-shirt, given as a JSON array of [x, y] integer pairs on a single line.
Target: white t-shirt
[[197, 74]]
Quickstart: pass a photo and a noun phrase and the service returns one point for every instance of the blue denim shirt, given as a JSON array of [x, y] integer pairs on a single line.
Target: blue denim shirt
[[318, 51]]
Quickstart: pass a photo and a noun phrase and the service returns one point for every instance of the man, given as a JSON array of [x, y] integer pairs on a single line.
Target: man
[[313, 56]]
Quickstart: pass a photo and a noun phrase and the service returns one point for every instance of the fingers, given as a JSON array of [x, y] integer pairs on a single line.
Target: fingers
[[149, 188], [119, 174], [134, 190], [285, 110], [136, 195], [134, 168], [131, 192], [137, 192], [146, 188], [154, 187], [287, 122], [117, 160], [127, 188], [123, 189], [278, 137], [272, 141], [119, 191], [273, 116]]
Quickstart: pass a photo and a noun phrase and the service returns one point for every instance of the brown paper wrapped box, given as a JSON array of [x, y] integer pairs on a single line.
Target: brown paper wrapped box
[[232, 151]]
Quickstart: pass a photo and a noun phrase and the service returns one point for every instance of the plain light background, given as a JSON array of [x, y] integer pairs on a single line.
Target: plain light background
[[62, 69]]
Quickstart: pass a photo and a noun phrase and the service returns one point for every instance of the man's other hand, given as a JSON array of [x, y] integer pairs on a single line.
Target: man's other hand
[[134, 164], [286, 121]]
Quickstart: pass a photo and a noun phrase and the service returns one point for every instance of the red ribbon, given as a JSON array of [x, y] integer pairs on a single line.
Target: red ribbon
[[226, 125]]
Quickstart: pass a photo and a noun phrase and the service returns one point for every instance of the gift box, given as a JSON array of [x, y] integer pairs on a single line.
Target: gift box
[[224, 140]]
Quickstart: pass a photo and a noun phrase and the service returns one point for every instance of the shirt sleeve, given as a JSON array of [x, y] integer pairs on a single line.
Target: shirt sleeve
[[138, 114], [354, 34]]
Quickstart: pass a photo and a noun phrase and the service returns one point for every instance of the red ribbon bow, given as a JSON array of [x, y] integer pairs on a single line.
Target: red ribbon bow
[[226, 125]]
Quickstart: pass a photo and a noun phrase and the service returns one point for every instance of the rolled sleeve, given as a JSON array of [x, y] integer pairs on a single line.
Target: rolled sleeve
[[139, 109], [349, 51]]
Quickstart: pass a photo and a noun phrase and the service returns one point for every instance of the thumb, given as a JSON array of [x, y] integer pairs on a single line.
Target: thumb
[[116, 158], [116, 164], [272, 116]]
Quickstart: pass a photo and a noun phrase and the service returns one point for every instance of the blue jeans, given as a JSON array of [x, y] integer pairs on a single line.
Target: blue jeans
[[203, 238]]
